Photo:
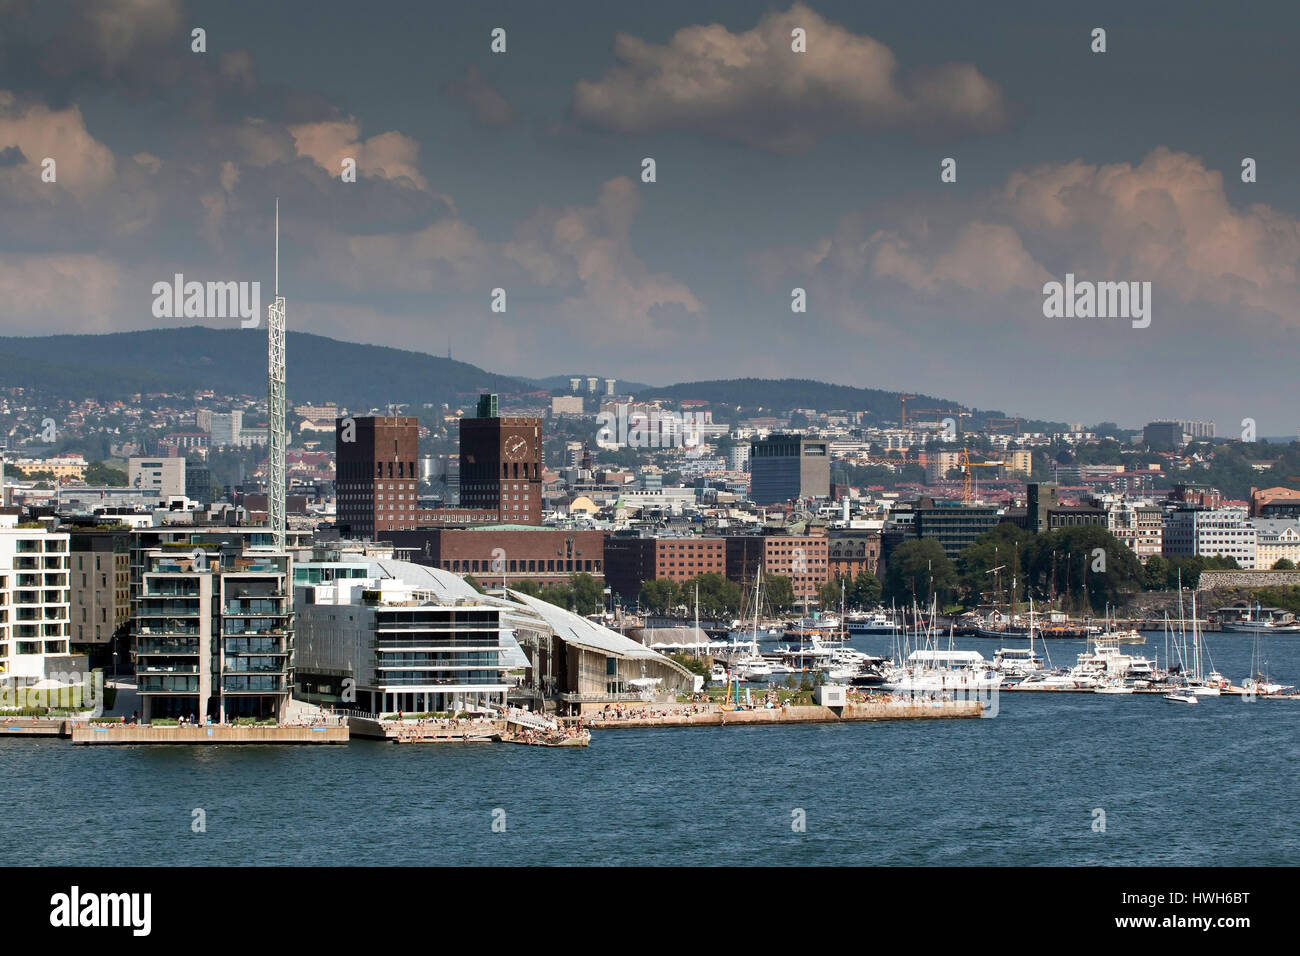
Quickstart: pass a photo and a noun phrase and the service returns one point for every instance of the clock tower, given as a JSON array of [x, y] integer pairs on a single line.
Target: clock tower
[[501, 464]]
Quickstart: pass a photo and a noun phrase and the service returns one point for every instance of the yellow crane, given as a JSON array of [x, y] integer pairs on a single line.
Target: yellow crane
[[966, 463]]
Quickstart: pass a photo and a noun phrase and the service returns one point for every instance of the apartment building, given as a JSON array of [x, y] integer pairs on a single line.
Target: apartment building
[[34, 603], [213, 629]]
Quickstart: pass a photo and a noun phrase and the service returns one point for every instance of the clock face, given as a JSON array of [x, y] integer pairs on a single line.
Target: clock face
[[516, 448]]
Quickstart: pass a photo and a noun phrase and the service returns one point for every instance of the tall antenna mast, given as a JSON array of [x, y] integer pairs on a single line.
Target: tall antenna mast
[[275, 404]]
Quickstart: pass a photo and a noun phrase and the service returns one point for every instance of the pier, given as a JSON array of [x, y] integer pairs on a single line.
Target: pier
[[133, 734], [903, 709], [35, 727]]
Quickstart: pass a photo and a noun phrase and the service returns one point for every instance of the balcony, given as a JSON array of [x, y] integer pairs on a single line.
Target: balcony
[[255, 608], [259, 684], [168, 685], [264, 645], [163, 645], [157, 667]]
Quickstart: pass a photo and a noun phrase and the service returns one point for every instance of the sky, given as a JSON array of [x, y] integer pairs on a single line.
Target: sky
[[775, 169]]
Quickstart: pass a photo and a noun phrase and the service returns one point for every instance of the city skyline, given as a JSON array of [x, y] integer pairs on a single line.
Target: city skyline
[[522, 171]]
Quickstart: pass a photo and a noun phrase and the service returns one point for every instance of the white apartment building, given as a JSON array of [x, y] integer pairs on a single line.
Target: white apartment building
[[1206, 532], [34, 604]]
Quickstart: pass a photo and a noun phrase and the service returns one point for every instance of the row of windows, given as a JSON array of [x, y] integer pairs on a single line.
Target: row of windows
[[500, 566]]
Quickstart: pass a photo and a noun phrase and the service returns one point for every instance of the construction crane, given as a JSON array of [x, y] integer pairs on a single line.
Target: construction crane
[[994, 424], [902, 409], [966, 466]]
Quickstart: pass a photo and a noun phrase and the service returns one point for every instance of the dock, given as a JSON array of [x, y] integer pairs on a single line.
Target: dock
[[908, 709], [135, 734], [35, 727], [426, 731]]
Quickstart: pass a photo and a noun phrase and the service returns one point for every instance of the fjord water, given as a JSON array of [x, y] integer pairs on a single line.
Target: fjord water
[[1204, 785]]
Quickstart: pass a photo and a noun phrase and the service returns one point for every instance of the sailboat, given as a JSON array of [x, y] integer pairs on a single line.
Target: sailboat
[[931, 670], [753, 666], [1018, 663], [1197, 683], [1258, 682]]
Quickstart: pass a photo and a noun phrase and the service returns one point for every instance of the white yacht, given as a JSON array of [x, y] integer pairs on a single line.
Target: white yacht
[[938, 671], [880, 622]]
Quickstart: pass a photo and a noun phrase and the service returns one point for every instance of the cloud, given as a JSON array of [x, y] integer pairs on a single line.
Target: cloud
[[586, 250], [389, 155], [752, 88], [45, 291], [488, 104], [82, 163], [1166, 220]]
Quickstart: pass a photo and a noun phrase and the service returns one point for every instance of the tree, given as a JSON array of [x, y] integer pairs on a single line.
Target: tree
[[780, 592], [918, 570], [101, 473], [718, 595], [865, 591], [587, 593], [529, 587], [1005, 546], [828, 595], [1086, 565], [660, 595], [1283, 564]]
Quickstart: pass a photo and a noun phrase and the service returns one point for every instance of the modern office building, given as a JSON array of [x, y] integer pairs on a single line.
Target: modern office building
[[164, 477], [1163, 435], [501, 464], [1211, 532], [377, 481], [406, 637], [383, 636], [213, 629], [34, 601], [784, 467], [226, 428], [953, 524]]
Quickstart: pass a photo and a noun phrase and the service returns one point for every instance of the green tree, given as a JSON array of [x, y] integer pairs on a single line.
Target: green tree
[[866, 590], [1283, 564], [101, 473], [587, 593], [1085, 566], [987, 567], [529, 587], [718, 595], [660, 595], [828, 594], [779, 592], [918, 570]]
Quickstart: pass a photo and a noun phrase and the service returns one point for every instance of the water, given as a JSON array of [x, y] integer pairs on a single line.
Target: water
[[1211, 784]]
